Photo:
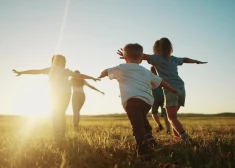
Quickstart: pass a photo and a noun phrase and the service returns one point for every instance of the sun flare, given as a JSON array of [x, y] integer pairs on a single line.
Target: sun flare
[[32, 97]]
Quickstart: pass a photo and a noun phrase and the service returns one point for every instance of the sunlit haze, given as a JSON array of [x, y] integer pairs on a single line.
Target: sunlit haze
[[89, 33]]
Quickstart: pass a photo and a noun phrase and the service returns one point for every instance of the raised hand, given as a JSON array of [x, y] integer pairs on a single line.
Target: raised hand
[[120, 52], [102, 93], [17, 72], [199, 62]]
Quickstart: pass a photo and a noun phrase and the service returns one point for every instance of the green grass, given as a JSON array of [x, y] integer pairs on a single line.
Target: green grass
[[107, 142]]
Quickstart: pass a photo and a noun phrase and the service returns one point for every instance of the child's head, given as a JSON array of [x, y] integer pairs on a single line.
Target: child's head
[[58, 60], [133, 52], [153, 70], [165, 47], [156, 47], [77, 71]]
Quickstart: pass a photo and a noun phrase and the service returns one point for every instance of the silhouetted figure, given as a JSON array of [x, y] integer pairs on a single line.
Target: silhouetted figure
[[60, 90], [78, 97]]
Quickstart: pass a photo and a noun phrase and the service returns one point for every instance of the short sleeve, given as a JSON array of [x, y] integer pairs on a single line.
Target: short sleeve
[[180, 61], [153, 59], [113, 72], [155, 80]]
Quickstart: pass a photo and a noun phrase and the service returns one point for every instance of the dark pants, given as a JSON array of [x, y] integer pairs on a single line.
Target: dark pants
[[137, 111]]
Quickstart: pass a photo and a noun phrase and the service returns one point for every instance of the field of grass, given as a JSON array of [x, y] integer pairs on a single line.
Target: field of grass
[[107, 142]]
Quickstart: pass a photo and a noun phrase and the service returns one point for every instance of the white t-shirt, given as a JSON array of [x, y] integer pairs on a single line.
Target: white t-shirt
[[135, 81]]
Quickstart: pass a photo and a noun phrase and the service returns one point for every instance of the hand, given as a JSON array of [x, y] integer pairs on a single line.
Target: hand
[[17, 72], [102, 93], [120, 52], [199, 62], [96, 79]]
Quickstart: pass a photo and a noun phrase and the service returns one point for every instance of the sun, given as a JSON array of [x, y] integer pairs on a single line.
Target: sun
[[31, 97]]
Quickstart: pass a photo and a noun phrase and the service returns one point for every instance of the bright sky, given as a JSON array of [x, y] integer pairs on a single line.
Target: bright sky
[[89, 33]]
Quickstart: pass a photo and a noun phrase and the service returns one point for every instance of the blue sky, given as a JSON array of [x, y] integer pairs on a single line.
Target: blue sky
[[89, 33]]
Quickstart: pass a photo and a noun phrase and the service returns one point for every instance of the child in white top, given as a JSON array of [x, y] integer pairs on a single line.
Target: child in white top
[[135, 84], [60, 90]]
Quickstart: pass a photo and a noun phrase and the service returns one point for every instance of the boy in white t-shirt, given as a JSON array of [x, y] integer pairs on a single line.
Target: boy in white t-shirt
[[135, 83]]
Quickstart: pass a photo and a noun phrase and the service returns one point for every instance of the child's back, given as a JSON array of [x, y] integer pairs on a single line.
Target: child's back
[[134, 81], [167, 68]]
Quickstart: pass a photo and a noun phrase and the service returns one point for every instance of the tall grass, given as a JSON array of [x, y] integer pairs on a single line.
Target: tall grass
[[107, 142]]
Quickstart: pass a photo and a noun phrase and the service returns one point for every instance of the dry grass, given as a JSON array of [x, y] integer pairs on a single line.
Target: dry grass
[[107, 142]]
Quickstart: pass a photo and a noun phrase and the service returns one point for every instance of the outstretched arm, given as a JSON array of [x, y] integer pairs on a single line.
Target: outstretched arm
[[120, 53], [189, 60], [82, 76], [32, 71], [103, 74], [92, 87], [167, 86]]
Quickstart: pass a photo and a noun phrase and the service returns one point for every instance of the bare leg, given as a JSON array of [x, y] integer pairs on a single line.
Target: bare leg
[[156, 118], [172, 116], [77, 103], [167, 124]]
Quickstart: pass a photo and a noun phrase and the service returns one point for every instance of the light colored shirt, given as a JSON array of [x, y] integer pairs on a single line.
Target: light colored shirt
[[58, 78], [167, 69], [134, 81], [80, 88]]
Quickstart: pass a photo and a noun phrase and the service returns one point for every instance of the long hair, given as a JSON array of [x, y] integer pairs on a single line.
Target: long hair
[[57, 62], [165, 48]]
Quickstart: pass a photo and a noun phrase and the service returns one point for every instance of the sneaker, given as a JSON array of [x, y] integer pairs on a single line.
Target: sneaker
[[143, 152], [150, 140], [144, 158], [160, 128], [185, 137], [168, 132]]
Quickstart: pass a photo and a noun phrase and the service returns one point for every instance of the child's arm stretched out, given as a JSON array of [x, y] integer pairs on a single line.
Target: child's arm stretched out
[[32, 71], [82, 76], [147, 58], [189, 60], [92, 87], [103, 74]]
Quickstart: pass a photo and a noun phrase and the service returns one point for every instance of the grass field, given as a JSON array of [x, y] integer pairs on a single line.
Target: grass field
[[107, 142]]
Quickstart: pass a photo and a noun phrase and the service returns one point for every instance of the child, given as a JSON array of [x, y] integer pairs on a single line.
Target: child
[[60, 90], [78, 97], [166, 66], [158, 102], [135, 84]]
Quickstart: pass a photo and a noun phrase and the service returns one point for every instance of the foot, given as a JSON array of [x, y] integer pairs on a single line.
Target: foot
[[150, 140], [144, 158], [168, 132], [186, 138], [75, 128], [160, 128]]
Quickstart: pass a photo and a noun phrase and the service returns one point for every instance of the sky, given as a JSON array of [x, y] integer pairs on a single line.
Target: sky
[[89, 33]]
